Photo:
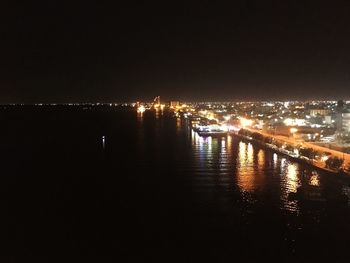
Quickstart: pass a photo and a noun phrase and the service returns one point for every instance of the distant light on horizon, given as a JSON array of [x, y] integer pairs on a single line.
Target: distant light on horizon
[[141, 109]]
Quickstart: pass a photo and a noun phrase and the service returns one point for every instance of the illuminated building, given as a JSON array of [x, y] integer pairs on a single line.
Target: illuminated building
[[343, 123], [346, 122], [343, 120], [174, 104], [318, 112]]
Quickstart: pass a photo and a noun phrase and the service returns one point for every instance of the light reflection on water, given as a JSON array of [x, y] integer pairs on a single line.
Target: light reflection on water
[[250, 153], [245, 168], [315, 179], [255, 171], [261, 160], [224, 186], [292, 177], [224, 159], [275, 159], [289, 184]]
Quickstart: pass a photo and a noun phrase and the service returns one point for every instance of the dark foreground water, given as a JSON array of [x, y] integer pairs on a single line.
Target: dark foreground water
[[155, 191]]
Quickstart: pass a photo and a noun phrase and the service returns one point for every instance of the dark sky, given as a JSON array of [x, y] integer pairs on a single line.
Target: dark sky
[[56, 51]]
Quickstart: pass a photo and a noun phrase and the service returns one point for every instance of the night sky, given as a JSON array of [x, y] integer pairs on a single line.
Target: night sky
[[53, 51]]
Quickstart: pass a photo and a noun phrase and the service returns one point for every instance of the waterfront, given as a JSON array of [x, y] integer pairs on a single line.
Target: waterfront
[[154, 188]]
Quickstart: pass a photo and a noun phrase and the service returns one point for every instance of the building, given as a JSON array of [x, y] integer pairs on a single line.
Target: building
[[318, 112], [328, 120], [345, 122], [343, 126], [174, 104], [340, 110]]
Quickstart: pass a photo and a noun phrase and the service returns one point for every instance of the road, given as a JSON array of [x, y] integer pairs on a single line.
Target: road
[[320, 149]]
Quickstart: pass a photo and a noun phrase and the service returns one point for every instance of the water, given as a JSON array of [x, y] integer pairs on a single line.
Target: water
[[111, 182]]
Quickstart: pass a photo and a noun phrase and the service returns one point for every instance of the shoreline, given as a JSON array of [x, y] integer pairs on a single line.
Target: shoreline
[[277, 150], [293, 158]]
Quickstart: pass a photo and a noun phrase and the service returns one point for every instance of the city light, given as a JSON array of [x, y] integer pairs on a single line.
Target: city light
[[283, 127], [227, 117], [293, 130], [324, 158], [141, 109], [189, 131], [245, 122], [288, 122]]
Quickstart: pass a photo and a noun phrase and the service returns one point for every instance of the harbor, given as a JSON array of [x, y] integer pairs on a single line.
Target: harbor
[[280, 145], [295, 138]]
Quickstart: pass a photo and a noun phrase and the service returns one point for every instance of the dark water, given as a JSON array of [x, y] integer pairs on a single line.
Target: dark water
[[155, 191]]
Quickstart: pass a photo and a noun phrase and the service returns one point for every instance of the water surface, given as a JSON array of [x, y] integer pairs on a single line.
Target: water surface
[[152, 189]]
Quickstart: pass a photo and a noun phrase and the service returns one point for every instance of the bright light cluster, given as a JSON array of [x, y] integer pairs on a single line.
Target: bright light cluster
[[141, 109], [246, 122]]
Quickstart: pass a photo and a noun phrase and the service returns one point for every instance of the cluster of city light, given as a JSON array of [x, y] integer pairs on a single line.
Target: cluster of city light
[[208, 114], [324, 158], [294, 122], [141, 109], [227, 117], [293, 130], [159, 106], [293, 119], [246, 122]]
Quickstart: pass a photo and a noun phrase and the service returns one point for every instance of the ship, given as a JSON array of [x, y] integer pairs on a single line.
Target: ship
[[210, 130]]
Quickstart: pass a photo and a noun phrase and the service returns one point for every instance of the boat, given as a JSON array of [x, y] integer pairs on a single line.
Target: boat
[[210, 130], [212, 133]]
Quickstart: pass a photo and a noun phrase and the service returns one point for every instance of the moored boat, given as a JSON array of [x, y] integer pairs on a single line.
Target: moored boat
[[212, 133], [210, 130]]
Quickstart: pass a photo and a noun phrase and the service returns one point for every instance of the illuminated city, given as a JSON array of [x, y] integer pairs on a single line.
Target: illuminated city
[[315, 132], [175, 131]]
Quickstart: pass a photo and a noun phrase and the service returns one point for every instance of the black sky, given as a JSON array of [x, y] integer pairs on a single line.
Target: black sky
[[56, 51]]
